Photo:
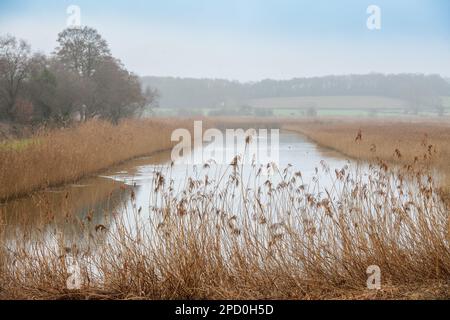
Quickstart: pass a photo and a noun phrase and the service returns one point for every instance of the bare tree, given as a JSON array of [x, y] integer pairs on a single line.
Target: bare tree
[[41, 87], [151, 97], [81, 78], [118, 92], [82, 49], [14, 68], [57, 93], [109, 90]]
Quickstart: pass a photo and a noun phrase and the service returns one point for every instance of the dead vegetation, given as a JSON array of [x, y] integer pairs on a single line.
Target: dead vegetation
[[391, 141], [225, 237], [65, 155]]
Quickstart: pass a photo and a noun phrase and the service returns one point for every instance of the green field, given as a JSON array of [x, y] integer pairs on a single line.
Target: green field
[[358, 106], [328, 102]]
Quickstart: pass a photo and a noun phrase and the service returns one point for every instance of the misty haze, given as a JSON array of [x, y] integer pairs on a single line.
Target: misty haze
[[226, 150]]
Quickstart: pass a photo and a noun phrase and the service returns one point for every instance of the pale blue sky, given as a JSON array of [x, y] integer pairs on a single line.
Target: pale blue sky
[[250, 39]]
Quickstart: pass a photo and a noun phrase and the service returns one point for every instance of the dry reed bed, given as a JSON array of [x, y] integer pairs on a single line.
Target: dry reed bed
[[233, 238], [66, 155], [269, 238], [55, 157], [393, 141]]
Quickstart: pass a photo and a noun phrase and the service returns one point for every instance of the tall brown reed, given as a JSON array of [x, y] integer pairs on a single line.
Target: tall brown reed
[[397, 142], [230, 237], [66, 155]]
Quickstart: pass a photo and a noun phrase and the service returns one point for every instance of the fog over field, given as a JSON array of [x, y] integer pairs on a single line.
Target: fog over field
[[415, 89]]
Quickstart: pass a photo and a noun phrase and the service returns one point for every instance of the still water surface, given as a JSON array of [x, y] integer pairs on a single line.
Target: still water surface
[[97, 197]]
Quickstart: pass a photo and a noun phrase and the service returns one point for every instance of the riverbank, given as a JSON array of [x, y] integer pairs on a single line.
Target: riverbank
[[60, 156], [66, 155], [55, 157], [395, 142]]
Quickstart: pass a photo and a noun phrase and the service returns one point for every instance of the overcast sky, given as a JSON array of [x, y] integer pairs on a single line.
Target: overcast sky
[[250, 39]]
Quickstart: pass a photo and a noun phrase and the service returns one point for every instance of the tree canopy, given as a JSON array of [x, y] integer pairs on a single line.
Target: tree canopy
[[80, 80]]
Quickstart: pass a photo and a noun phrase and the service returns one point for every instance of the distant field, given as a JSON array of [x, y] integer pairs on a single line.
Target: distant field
[[288, 112], [337, 102], [348, 106], [177, 112]]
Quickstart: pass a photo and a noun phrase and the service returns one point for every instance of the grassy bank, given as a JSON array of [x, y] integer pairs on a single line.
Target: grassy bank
[[65, 155], [55, 157], [392, 141]]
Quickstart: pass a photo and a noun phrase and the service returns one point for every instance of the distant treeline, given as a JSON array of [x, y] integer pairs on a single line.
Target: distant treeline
[[418, 90]]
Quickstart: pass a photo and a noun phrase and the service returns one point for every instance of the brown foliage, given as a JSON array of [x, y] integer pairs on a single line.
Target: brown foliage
[[64, 155]]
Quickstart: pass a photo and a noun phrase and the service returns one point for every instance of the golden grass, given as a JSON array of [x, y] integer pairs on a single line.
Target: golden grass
[[55, 157], [66, 155], [246, 238], [392, 141], [252, 238]]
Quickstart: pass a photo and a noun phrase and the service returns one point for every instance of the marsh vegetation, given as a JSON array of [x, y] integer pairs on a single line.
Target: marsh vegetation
[[77, 221], [234, 241], [235, 233]]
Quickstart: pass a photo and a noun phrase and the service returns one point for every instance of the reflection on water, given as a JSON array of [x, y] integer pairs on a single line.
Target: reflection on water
[[95, 199]]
